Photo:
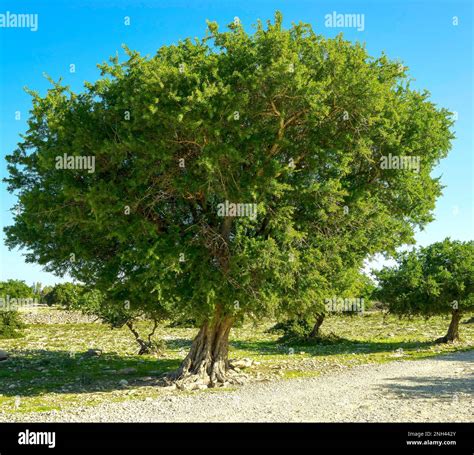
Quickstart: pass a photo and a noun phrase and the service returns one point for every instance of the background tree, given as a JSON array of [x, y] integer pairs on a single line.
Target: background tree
[[285, 119], [10, 320], [438, 279], [118, 314], [346, 284], [354, 287], [44, 293], [16, 289], [65, 295]]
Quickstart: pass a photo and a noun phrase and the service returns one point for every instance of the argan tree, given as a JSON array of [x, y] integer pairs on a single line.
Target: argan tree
[[284, 119], [438, 279]]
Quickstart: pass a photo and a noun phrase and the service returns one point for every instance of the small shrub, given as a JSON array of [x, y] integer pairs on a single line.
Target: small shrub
[[300, 331], [293, 330], [156, 347], [10, 324]]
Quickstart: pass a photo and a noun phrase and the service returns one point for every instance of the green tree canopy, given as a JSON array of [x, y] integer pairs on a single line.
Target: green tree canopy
[[10, 320], [436, 279], [17, 289], [303, 323], [65, 295], [284, 119]]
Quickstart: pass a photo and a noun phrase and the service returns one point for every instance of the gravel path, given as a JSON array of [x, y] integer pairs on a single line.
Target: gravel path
[[433, 390]]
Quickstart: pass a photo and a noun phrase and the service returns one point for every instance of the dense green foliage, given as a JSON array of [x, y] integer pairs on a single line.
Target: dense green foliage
[[17, 289], [10, 324], [430, 280], [285, 119], [350, 286], [65, 295]]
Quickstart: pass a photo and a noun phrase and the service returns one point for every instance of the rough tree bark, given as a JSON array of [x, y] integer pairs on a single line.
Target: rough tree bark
[[207, 363], [453, 329], [319, 320]]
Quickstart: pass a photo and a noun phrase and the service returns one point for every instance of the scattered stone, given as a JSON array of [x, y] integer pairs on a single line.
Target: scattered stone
[[57, 316], [92, 353], [3, 355], [170, 387], [127, 371], [241, 363], [364, 394], [123, 382]]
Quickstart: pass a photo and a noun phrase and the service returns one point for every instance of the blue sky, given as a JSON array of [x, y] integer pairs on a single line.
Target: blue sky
[[83, 33]]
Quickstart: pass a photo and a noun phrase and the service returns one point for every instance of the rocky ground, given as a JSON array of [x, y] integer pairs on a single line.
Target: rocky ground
[[47, 316], [439, 389]]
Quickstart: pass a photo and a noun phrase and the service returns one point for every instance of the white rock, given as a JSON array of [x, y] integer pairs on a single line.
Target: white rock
[[93, 353], [127, 371], [241, 363]]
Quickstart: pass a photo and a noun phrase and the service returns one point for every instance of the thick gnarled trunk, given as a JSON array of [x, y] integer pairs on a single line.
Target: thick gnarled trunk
[[207, 363], [453, 329]]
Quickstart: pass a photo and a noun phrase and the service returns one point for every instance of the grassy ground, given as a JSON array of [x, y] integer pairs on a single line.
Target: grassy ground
[[48, 369]]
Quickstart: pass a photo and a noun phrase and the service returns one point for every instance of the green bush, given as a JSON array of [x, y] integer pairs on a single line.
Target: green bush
[[15, 289], [65, 295], [10, 324], [293, 330]]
